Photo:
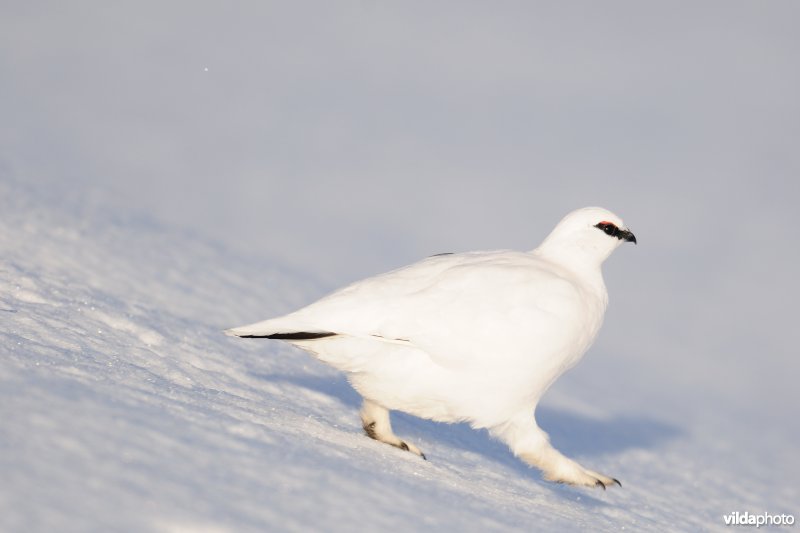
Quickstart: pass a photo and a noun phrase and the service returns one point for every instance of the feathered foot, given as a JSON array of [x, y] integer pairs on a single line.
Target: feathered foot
[[532, 445], [376, 423]]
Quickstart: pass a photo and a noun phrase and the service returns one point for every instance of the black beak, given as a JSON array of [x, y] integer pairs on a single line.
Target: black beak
[[627, 235]]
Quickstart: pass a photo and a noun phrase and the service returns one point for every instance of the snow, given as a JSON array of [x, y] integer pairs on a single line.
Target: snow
[[125, 408], [330, 143]]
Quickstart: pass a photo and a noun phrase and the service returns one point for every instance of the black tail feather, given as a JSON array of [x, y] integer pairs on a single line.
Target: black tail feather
[[294, 336]]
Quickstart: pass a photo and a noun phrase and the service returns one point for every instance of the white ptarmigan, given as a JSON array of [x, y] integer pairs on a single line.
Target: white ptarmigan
[[476, 337]]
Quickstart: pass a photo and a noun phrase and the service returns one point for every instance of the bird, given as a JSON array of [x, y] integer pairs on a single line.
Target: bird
[[474, 337]]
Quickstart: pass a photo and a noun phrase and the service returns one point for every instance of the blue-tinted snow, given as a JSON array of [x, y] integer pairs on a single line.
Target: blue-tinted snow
[[124, 408]]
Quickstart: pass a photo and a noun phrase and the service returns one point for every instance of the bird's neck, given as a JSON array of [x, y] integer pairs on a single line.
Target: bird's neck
[[581, 258]]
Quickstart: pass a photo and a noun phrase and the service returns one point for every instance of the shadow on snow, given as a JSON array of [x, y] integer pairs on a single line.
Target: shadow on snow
[[574, 434]]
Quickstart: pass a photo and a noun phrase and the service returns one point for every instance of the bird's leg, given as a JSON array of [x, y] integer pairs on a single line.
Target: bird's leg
[[532, 445], [376, 423]]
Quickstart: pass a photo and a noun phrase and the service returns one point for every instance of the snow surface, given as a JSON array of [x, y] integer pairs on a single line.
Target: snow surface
[[124, 408]]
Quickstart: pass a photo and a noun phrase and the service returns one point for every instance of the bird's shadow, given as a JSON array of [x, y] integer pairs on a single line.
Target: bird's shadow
[[574, 434]]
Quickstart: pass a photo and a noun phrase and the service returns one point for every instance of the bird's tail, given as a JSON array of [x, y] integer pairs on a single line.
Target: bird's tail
[[278, 328]]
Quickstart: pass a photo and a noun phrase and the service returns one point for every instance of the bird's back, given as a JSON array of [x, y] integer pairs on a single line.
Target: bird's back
[[474, 309]]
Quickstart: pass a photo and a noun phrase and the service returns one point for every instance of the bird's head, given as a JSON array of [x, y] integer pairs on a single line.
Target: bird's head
[[588, 234]]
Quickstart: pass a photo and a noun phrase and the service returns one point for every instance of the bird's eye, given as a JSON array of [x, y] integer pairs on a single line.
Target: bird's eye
[[609, 228]]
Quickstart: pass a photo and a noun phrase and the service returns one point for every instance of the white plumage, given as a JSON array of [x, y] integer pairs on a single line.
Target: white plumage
[[476, 337]]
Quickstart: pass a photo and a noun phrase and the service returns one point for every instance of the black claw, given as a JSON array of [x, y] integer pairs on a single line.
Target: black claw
[[601, 484], [369, 429], [617, 482], [425, 458]]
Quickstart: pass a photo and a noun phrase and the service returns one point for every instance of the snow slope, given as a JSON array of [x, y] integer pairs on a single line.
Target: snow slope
[[124, 408]]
